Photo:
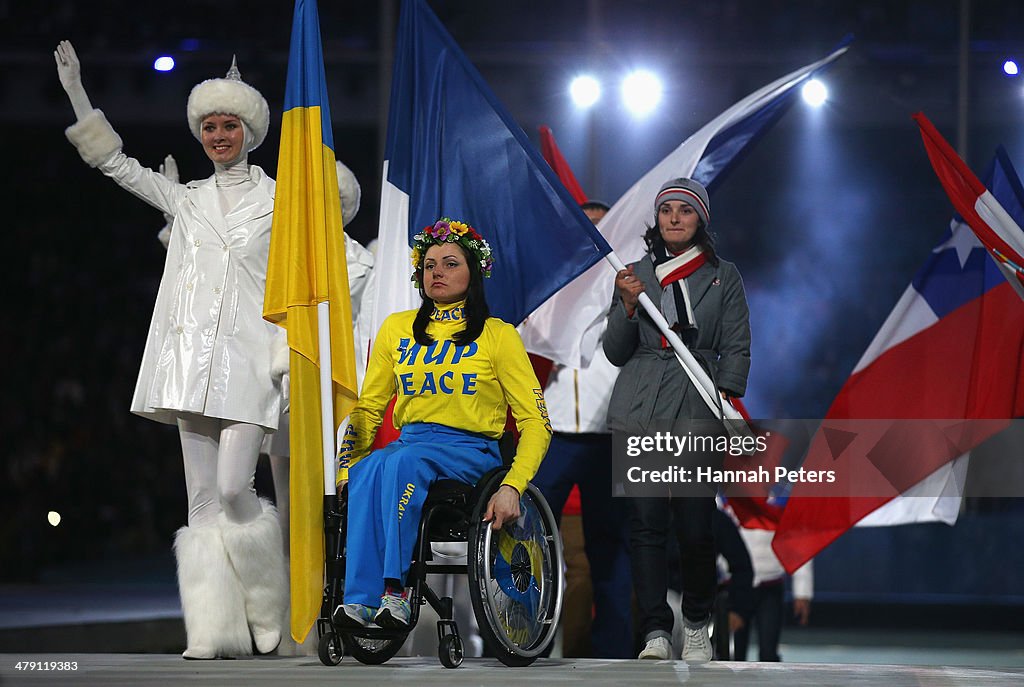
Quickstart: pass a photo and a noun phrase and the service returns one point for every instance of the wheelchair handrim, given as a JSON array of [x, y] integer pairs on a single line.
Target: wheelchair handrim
[[554, 580]]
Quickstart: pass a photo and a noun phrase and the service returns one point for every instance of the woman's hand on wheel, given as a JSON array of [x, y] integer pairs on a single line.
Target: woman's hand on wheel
[[503, 507]]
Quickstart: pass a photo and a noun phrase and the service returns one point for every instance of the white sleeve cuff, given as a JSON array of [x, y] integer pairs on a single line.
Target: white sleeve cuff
[[94, 138]]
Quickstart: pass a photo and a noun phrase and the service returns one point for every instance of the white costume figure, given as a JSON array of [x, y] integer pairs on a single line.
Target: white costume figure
[[211, 365]]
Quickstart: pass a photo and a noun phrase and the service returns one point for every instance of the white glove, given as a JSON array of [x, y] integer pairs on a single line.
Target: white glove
[[169, 168], [69, 71]]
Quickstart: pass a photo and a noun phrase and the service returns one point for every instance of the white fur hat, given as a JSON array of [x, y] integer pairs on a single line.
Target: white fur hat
[[229, 95], [350, 192]]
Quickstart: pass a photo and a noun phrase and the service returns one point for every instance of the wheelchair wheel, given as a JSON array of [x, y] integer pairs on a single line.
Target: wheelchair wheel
[[516, 578], [372, 651], [328, 648], [450, 652]]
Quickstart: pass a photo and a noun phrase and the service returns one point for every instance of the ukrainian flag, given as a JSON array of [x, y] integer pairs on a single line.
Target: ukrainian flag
[[307, 267]]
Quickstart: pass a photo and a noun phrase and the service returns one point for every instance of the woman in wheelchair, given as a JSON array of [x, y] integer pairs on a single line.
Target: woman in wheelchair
[[454, 371]]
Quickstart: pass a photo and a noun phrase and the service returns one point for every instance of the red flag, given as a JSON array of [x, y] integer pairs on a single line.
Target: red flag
[[553, 156], [754, 506], [994, 227]]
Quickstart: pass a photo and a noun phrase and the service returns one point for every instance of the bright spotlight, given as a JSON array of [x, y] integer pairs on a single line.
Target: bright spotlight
[[641, 91], [53, 517], [814, 93], [1010, 68], [585, 91], [164, 63]]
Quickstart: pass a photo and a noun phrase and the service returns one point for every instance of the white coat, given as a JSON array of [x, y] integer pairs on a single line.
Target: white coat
[[209, 350]]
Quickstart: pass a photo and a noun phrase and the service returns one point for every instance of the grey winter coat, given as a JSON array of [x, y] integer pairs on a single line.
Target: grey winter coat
[[652, 386]]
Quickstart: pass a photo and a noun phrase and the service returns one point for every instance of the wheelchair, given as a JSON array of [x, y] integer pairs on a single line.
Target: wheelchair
[[516, 578]]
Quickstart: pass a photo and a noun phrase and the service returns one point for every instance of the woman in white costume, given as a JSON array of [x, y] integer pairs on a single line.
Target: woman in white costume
[[211, 365]]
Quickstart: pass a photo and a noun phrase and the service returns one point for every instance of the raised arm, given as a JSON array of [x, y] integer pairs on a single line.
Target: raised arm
[[100, 146]]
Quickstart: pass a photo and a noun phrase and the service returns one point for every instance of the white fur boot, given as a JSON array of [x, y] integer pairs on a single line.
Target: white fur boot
[[255, 551], [211, 596]]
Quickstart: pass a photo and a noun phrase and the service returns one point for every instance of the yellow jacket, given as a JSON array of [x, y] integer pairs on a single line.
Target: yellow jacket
[[465, 387]]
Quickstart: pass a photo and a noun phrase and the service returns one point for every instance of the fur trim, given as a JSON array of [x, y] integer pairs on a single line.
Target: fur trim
[[255, 550], [350, 192], [94, 138], [229, 96], [211, 595]]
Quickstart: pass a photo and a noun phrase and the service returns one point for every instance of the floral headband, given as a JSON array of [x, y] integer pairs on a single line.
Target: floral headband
[[447, 230]]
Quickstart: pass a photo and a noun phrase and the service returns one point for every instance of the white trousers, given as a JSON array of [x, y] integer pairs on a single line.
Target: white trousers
[[220, 469]]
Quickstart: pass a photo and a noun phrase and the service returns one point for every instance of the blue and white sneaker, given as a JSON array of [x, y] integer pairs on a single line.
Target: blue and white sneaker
[[394, 611], [353, 616]]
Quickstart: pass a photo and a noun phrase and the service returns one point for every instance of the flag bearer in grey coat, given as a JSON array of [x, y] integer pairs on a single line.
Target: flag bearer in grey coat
[[702, 297]]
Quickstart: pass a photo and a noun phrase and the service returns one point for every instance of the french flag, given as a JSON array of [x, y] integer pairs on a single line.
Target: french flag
[[952, 348], [453, 150]]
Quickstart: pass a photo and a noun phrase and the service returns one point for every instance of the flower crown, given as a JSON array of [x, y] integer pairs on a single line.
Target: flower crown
[[447, 230]]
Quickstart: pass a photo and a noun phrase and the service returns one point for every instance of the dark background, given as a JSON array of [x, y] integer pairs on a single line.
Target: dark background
[[827, 219]]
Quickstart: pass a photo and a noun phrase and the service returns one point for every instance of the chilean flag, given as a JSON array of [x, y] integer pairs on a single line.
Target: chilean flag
[[952, 348], [994, 226]]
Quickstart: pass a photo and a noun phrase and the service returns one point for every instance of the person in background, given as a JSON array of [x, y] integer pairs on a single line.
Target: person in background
[[702, 297], [769, 592], [212, 365], [597, 613]]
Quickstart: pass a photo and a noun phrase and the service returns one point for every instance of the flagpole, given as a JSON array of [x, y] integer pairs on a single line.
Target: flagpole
[[701, 380], [323, 312]]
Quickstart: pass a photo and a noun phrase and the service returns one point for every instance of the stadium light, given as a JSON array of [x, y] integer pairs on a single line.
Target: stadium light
[[164, 63], [814, 93], [585, 91], [641, 92]]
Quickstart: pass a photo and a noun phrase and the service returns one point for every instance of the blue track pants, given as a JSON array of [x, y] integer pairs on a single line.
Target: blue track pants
[[386, 491]]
